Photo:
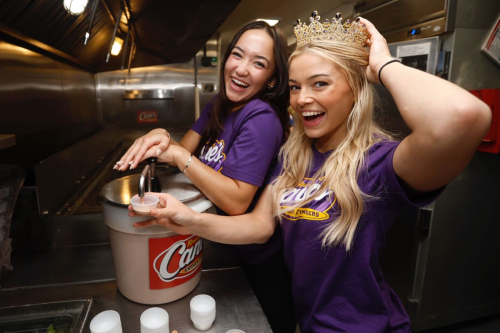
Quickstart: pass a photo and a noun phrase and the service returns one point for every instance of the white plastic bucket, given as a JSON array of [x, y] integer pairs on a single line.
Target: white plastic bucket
[[153, 265]]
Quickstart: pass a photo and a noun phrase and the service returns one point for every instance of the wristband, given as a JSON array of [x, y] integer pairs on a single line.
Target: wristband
[[188, 163], [380, 70]]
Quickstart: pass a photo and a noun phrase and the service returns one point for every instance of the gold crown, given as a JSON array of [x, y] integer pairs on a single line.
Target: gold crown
[[336, 30]]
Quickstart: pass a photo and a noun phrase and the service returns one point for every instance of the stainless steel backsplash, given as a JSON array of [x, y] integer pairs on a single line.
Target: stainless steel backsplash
[[47, 104]]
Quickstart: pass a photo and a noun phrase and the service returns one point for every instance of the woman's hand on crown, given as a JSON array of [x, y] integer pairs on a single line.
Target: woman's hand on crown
[[152, 144], [379, 51]]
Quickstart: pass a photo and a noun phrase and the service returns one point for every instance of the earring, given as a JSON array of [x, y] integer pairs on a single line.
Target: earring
[[270, 87]]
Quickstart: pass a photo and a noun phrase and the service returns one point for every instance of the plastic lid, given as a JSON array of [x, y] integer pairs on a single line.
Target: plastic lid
[[119, 191]]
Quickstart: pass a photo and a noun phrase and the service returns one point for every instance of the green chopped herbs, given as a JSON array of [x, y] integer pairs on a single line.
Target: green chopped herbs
[[63, 329]]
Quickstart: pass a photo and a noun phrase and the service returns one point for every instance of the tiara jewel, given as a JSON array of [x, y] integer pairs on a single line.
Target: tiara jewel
[[335, 30]]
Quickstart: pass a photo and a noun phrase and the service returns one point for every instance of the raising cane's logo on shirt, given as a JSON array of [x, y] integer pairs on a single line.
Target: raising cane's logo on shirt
[[173, 260], [316, 210], [213, 156]]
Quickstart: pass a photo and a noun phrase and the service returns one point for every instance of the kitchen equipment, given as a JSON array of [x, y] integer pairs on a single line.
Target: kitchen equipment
[[148, 182], [152, 265]]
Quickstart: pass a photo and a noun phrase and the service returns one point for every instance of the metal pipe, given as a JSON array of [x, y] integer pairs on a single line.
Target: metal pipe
[[131, 56], [114, 32], [92, 14], [125, 46]]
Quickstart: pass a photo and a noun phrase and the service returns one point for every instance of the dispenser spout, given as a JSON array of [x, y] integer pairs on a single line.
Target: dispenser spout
[[145, 181], [155, 181]]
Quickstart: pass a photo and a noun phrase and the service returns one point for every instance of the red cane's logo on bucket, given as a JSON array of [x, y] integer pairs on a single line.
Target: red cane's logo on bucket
[[173, 260], [147, 116]]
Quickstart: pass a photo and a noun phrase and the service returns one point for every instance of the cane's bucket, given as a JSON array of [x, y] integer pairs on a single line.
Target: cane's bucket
[[152, 265]]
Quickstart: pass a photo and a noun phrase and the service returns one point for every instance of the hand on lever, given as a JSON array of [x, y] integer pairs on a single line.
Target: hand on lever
[[152, 144]]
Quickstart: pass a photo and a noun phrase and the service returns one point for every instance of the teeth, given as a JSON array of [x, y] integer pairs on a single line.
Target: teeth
[[239, 82], [311, 113]]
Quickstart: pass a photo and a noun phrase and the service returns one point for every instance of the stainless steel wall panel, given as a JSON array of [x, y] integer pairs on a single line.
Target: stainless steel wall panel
[[470, 67], [177, 77], [477, 14], [462, 269], [48, 105]]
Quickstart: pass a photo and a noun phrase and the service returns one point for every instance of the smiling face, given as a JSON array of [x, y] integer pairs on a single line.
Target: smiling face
[[249, 67], [322, 97]]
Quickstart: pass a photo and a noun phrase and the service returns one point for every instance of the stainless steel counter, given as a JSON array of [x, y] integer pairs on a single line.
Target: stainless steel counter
[[236, 305], [57, 262]]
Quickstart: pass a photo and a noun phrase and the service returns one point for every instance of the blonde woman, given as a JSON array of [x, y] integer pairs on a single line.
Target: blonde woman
[[342, 180]]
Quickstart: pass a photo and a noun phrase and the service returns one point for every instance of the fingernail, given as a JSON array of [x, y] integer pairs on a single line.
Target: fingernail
[[158, 152], [119, 163], [130, 167], [130, 162]]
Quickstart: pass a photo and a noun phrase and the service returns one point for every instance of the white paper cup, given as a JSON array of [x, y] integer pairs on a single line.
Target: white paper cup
[[149, 202], [154, 320], [106, 322], [202, 311]]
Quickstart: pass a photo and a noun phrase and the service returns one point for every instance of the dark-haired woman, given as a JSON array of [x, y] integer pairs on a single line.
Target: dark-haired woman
[[229, 149]]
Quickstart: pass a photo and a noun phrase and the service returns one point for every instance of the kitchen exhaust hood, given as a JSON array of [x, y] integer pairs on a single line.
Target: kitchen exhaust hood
[[162, 31]]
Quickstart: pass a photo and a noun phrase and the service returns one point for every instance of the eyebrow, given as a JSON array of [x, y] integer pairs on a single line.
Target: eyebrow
[[311, 77], [257, 56]]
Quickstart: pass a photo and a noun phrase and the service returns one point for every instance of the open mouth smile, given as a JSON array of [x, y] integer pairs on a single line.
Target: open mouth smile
[[312, 118], [238, 85]]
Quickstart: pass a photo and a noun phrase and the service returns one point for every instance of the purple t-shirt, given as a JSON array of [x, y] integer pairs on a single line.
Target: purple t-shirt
[[245, 150], [335, 291]]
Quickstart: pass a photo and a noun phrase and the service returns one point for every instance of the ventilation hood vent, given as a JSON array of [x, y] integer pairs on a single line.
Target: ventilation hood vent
[[164, 31]]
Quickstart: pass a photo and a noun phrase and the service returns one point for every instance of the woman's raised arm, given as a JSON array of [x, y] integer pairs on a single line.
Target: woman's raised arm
[[447, 122], [254, 227]]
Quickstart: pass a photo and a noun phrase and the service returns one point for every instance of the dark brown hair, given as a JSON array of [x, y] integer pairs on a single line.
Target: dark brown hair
[[278, 97]]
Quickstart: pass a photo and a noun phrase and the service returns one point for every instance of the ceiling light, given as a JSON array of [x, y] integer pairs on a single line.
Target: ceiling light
[[75, 7], [117, 46], [270, 22]]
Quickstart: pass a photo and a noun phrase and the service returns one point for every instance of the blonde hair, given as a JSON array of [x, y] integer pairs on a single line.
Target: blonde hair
[[340, 171]]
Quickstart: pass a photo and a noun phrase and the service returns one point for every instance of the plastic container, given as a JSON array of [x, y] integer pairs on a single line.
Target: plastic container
[[154, 320], [106, 322], [202, 311], [144, 207], [147, 261]]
